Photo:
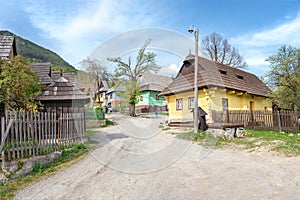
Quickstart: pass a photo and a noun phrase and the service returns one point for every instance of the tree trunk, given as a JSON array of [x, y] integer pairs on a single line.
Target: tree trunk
[[132, 109]]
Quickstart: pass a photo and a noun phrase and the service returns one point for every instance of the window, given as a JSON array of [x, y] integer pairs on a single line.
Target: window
[[225, 104], [239, 76], [141, 98], [111, 96], [191, 102], [178, 104], [222, 71]]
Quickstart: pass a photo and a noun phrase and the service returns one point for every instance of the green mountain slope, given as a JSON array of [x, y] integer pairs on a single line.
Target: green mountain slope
[[37, 53]]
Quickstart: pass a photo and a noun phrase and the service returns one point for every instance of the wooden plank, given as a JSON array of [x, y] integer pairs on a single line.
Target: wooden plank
[[28, 132], [21, 133]]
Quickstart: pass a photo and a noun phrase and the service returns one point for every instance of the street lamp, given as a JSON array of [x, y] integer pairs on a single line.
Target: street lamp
[[195, 30]]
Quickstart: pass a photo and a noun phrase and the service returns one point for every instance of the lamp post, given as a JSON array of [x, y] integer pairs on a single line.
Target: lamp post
[[195, 30]]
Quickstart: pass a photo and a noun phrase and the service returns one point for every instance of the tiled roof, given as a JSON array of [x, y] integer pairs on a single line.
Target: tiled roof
[[6, 45], [43, 72], [62, 89], [154, 82], [213, 74]]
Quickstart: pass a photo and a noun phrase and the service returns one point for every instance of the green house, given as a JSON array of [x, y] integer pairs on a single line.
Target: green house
[[150, 86]]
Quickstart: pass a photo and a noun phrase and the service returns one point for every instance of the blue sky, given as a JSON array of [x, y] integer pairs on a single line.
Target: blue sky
[[75, 28]]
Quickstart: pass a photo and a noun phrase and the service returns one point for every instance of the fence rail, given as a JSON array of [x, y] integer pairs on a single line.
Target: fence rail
[[32, 134], [287, 121]]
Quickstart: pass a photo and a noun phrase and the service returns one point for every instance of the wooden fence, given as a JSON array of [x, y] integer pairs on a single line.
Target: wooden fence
[[287, 121], [26, 134]]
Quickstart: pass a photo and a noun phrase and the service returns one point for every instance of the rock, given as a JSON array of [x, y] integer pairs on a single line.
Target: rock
[[239, 132], [229, 133], [216, 132]]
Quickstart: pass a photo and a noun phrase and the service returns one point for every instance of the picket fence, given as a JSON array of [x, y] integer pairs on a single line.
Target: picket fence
[[287, 121], [26, 134]]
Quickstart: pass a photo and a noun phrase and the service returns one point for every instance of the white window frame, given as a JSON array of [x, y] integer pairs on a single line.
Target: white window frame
[[191, 102], [179, 104]]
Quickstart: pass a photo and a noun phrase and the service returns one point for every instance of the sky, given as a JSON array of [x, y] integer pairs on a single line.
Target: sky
[[76, 29]]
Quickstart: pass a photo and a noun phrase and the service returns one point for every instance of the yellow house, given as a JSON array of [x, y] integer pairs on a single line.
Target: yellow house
[[220, 87]]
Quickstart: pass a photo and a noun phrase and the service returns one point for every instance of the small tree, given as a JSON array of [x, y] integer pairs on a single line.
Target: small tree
[[94, 72], [128, 73], [219, 50], [284, 77], [19, 85]]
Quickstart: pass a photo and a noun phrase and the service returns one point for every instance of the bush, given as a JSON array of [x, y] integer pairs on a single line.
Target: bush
[[100, 113]]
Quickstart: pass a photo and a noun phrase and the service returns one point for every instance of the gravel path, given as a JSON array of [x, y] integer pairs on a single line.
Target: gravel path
[[135, 160]]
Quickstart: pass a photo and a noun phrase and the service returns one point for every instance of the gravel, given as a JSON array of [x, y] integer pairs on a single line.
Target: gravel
[[136, 160]]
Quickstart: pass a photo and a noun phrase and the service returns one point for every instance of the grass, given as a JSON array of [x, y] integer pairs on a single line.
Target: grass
[[108, 123], [69, 157], [286, 143]]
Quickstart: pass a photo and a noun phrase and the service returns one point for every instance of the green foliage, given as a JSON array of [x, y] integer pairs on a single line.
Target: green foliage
[[20, 164], [127, 73], [18, 84], [38, 168], [100, 113], [284, 77], [37, 53], [66, 153]]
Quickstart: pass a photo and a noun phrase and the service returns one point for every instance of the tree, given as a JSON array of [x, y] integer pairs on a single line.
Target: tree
[[219, 50], [128, 73], [284, 77], [19, 85], [94, 72]]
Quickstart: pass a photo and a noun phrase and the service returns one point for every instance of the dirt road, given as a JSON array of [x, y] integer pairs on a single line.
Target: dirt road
[[135, 160]]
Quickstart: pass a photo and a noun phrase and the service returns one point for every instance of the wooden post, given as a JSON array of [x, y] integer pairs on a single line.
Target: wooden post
[[278, 119]]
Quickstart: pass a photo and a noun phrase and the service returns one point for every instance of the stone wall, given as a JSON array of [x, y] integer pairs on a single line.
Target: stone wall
[[21, 167]]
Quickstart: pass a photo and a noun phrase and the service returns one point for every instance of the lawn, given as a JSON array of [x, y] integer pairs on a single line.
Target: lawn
[[286, 143]]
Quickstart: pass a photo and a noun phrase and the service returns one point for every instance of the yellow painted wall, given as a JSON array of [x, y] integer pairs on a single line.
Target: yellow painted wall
[[211, 99]]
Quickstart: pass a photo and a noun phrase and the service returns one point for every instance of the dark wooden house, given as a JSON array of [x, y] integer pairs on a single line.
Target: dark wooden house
[[63, 97], [8, 49]]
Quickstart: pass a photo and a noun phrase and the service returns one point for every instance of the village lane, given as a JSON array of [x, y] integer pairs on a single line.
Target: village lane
[[135, 159]]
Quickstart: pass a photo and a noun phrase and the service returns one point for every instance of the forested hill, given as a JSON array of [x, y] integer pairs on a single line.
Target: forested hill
[[37, 53]]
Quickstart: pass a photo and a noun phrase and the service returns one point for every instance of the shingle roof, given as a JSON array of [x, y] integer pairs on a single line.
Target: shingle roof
[[70, 76], [62, 89], [7, 43], [213, 74], [43, 72], [103, 86], [154, 82]]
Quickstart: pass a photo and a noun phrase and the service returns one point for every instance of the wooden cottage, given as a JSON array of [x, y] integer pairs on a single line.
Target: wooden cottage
[[150, 86], [8, 49], [43, 71], [220, 88], [101, 93], [63, 97]]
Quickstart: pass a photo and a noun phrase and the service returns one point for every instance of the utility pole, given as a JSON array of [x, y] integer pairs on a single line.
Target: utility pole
[[196, 124]]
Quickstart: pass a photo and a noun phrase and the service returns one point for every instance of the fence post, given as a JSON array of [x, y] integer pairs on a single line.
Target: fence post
[[279, 121], [2, 143]]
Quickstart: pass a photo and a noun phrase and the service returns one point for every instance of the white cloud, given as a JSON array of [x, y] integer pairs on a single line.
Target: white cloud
[[171, 71], [287, 33], [256, 47], [78, 27]]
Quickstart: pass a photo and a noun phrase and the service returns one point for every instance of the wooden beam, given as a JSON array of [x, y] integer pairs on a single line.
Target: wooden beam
[[231, 92]]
